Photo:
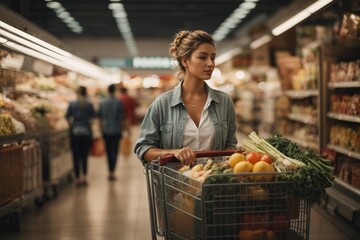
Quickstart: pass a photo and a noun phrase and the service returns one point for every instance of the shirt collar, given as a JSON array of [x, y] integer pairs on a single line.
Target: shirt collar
[[176, 99]]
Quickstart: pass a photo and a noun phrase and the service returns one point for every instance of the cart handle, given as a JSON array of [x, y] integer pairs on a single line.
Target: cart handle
[[206, 153]]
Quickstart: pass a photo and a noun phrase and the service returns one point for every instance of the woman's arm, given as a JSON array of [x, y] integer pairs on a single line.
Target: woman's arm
[[185, 155]]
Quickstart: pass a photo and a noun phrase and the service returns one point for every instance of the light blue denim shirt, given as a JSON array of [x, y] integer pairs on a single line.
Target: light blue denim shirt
[[164, 122], [111, 113]]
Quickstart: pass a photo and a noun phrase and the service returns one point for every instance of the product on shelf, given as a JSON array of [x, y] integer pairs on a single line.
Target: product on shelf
[[345, 137], [345, 71], [350, 26], [355, 175], [345, 104]]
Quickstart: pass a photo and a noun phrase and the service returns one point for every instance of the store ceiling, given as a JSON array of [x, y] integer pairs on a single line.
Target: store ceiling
[[156, 19]]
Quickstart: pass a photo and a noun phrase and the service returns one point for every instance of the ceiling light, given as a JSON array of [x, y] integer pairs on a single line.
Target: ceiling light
[[42, 50], [260, 41], [318, 5], [233, 20], [33, 53], [290, 22], [228, 55], [34, 39], [59, 10], [63, 14], [120, 15], [297, 18], [248, 5], [68, 20], [3, 40], [113, 6], [53, 5], [30, 44]]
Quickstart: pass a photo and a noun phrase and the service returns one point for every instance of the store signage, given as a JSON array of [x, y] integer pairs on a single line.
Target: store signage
[[137, 63]]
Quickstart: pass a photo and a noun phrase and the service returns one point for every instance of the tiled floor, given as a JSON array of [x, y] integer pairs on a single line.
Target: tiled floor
[[119, 210]]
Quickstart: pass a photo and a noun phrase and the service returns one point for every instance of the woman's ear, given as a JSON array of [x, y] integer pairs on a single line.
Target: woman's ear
[[183, 62]]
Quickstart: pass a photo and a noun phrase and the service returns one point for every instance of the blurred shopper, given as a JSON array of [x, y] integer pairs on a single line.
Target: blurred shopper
[[79, 115], [130, 105], [112, 115], [192, 116]]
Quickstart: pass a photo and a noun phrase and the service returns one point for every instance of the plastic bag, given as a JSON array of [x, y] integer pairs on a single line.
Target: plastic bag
[[98, 147]]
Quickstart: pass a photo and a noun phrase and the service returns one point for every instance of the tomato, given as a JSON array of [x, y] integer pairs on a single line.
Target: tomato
[[266, 158], [253, 157]]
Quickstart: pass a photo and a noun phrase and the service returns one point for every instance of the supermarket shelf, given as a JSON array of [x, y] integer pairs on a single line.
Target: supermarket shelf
[[298, 94], [347, 186], [344, 151], [11, 138], [303, 142], [307, 119], [339, 202], [354, 84], [5, 209], [344, 117], [34, 196]]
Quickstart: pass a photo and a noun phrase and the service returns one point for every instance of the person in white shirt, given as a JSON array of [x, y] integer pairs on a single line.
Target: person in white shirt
[[192, 116]]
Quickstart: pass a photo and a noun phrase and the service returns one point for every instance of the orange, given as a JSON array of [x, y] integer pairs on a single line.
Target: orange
[[235, 158], [245, 235], [270, 234], [242, 167], [259, 234], [261, 167]]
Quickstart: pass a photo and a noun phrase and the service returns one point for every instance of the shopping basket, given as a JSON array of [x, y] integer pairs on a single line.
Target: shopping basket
[[225, 206]]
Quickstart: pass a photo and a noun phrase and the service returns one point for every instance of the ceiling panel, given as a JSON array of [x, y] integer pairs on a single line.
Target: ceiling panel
[[148, 19]]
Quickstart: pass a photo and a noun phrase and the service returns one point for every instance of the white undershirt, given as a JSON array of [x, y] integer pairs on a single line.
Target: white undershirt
[[202, 137]]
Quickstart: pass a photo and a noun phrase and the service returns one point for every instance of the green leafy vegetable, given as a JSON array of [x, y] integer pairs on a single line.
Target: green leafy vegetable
[[310, 181]]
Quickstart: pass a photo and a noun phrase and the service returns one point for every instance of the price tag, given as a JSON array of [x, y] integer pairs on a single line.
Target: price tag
[[43, 67]]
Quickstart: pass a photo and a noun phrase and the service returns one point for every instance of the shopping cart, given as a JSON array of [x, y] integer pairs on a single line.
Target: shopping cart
[[225, 206]]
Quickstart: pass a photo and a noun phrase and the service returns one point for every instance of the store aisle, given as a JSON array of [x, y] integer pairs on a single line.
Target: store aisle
[[118, 210]]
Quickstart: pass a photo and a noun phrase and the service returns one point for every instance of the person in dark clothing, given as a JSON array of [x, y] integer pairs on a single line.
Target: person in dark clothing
[[79, 115], [112, 116]]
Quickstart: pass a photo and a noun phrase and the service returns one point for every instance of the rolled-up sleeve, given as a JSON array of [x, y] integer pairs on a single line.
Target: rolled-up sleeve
[[149, 132]]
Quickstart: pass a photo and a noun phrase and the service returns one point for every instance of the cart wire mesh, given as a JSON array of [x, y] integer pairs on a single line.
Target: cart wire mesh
[[225, 206]]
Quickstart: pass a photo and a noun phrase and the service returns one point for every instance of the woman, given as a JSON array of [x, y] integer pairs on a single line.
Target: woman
[[79, 114], [192, 116]]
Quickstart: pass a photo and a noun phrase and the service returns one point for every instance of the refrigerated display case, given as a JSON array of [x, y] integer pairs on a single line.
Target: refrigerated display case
[[301, 122], [341, 126]]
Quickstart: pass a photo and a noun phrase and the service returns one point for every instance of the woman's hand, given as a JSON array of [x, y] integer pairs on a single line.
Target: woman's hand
[[185, 155]]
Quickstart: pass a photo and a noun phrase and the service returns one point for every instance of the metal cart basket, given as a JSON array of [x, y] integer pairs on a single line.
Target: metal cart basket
[[225, 206]]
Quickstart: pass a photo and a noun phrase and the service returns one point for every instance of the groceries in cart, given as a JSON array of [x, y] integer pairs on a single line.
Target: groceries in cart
[[308, 171], [263, 192]]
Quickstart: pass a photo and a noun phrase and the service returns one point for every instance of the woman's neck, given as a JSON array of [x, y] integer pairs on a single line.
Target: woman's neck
[[193, 88]]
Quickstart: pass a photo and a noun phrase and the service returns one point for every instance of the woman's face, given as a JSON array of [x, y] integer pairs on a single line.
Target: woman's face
[[201, 62]]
